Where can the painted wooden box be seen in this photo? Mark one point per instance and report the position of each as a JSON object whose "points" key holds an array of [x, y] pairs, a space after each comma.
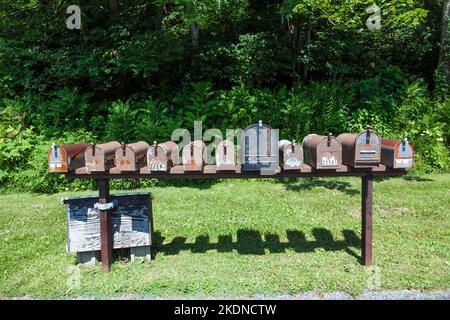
{"points": [[131, 222]]}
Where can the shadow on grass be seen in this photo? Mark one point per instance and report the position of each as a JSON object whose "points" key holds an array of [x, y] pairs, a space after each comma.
{"points": [[251, 242], [341, 186], [406, 178]]}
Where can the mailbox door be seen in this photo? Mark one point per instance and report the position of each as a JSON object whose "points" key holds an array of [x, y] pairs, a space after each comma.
{"points": [[225, 156], [367, 149], [292, 157], [260, 148], [194, 156], [95, 159], [126, 159], [404, 155], [57, 160], [157, 158], [329, 156]]}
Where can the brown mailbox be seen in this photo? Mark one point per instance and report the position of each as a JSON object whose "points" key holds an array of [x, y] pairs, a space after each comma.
{"points": [[131, 157], [322, 152], [291, 155], [160, 157], [361, 150], [100, 157], [62, 159], [225, 156], [397, 154], [194, 156]]}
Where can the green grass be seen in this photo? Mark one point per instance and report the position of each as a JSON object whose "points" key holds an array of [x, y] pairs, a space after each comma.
{"points": [[242, 238]]}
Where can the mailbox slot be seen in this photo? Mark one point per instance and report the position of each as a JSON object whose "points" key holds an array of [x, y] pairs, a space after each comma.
{"points": [[100, 157], [259, 148], [361, 150], [161, 157], [322, 152], [397, 154], [131, 157], [291, 155], [194, 156], [225, 156], [67, 158]]}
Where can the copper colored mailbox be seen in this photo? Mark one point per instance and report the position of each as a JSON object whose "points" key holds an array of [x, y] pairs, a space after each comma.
{"points": [[100, 157], [322, 152], [194, 156], [260, 148], [225, 156], [160, 157], [397, 154], [62, 159], [291, 155], [131, 157], [361, 150]]}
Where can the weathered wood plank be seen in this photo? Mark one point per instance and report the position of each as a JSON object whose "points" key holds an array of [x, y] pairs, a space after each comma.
{"points": [[131, 223]]}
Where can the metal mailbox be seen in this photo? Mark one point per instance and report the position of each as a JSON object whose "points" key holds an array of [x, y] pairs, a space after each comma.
{"points": [[397, 154], [100, 157], [131, 157], [361, 150], [291, 155], [194, 156], [322, 152], [260, 148], [62, 159], [160, 157], [225, 156]]}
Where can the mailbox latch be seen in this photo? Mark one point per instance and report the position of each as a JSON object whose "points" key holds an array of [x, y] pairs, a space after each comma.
{"points": [[106, 206]]}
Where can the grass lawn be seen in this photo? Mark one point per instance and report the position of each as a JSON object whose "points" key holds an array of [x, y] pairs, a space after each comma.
{"points": [[242, 238]]}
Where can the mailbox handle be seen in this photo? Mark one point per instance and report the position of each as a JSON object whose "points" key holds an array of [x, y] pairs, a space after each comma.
{"points": [[155, 144], [368, 151]]}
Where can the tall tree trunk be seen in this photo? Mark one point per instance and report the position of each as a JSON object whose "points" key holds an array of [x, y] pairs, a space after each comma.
{"points": [[444, 53], [194, 28], [114, 5]]}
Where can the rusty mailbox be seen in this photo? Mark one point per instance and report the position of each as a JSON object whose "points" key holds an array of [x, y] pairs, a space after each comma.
{"points": [[260, 148], [361, 150], [194, 156], [131, 157], [397, 154], [225, 156], [62, 159], [291, 155], [100, 157], [160, 157], [322, 152]]}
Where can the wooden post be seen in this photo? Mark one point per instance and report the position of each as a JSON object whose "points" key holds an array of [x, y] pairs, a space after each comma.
{"points": [[105, 224], [366, 209]]}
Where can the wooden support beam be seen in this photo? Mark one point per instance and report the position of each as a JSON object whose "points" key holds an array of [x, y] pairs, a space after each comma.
{"points": [[105, 225], [366, 210]]}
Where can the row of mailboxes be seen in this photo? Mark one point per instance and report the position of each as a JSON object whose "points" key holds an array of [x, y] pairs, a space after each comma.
{"points": [[259, 150]]}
